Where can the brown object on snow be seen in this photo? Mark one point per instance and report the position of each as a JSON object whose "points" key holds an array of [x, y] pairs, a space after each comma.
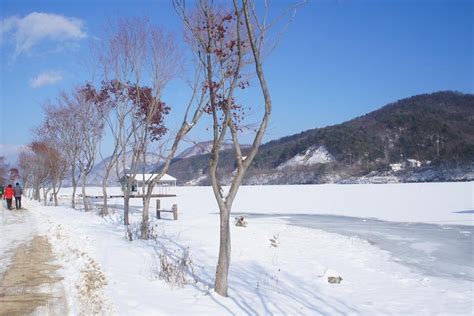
{"points": [[240, 221], [334, 280]]}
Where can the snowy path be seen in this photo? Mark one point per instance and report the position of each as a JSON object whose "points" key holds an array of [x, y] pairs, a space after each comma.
{"points": [[29, 283], [38, 277]]}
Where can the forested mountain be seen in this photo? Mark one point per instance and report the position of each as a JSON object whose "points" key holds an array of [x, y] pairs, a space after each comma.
{"points": [[431, 133]]}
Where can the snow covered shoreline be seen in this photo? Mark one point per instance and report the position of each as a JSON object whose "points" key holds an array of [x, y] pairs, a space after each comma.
{"points": [[288, 279], [438, 203]]}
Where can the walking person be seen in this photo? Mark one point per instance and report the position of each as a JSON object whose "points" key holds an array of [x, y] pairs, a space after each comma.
{"points": [[8, 195], [18, 191], [2, 188]]}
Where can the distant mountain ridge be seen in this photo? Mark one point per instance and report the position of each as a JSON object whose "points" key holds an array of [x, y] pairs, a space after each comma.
{"points": [[200, 148], [98, 171], [152, 161], [420, 138]]}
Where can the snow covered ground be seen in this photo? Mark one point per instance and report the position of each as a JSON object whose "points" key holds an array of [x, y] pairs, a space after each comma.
{"points": [[386, 267]]}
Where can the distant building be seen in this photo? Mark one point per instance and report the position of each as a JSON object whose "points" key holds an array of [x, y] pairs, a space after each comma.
{"points": [[414, 163], [396, 166], [141, 180], [411, 163]]}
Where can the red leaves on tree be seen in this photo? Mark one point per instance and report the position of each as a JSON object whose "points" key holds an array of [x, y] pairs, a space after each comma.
{"points": [[147, 108]]}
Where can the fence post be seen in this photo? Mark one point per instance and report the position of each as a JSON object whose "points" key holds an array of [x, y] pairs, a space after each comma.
{"points": [[175, 211], [158, 204]]}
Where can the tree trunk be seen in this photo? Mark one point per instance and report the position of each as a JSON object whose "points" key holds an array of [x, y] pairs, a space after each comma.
{"points": [[84, 198], [223, 262], [126, 206], [146, 209], [37, 194], [55, 194], [105, 209], [45, 196], [74, 187], [145, 219], [56, 188]]}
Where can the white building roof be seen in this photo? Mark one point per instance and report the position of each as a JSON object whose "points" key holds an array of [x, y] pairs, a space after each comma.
{"points": [[149, 176]]}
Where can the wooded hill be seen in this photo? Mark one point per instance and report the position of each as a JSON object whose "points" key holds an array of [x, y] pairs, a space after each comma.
{"points": [[435, 129]]}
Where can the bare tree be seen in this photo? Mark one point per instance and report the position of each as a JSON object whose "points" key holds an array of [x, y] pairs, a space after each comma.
{"points": [[229, 42], [35, 169], [56, 159], [71, 129], [135, 49], [115, 108], [26, 163], [121, 58], [89, 119], [165, 64], [61, 126], [58, 168]]}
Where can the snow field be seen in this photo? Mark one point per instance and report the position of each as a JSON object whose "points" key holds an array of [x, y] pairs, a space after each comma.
{"points": [[263, 279]]}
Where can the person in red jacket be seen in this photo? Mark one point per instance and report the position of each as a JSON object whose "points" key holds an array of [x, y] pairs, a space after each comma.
{"points": [[8, 195]]}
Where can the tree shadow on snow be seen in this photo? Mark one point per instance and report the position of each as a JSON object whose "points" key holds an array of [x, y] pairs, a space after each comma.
{"points": [[254, 289]]}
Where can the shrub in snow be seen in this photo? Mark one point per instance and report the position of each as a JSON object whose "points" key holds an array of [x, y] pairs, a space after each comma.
{"points": [[333, 280], [240, 221], [133, 232], [177, 271], [332, 276], [274, 241], [89, 287]]}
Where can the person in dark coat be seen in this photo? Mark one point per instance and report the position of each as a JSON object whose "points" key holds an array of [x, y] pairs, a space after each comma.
{"points": [[8, 195], [18, 191]]}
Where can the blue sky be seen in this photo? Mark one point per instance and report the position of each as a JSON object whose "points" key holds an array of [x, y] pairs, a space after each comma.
{"points": [[337, 59]]}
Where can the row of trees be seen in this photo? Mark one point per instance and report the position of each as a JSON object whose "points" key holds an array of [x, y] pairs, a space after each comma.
{"points": [[135, 62]]}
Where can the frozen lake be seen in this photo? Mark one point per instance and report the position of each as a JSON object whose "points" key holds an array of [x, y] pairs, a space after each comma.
{"points": [[433, 250], [425, 226]]}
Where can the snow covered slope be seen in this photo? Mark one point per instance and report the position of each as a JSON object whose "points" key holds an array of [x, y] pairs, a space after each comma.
{"points": [[311, 156]]}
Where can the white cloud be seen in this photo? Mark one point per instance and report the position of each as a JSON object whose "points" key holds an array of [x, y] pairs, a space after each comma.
{"points": [[46, 78], [37, 27]]}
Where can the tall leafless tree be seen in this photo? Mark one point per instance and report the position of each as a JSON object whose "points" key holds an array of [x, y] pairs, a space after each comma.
{"points": [[165, 62], [230, 42], [90, 119], [135, 49], [121, 57], [35, 169], [56, 161], [61, 125]]}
